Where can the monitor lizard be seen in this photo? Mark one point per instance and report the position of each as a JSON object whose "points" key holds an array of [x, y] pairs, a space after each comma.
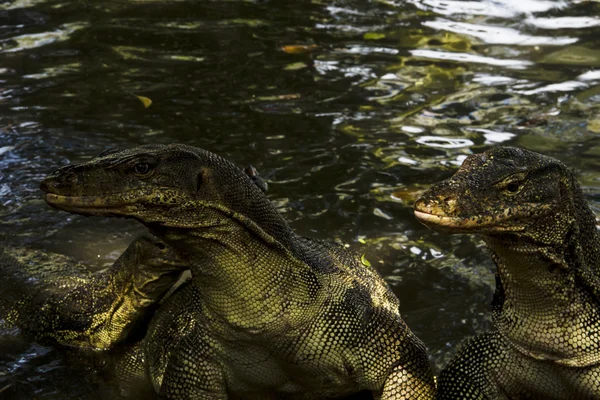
{"points": [[542, 236], [272, 314]]}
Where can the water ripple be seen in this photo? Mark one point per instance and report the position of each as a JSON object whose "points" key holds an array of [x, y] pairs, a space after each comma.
{"points": [[567, 86], [473, 58], [444, 142], [496, 8], [12, 5], [498, 35], [564, 22], [33, 40]]}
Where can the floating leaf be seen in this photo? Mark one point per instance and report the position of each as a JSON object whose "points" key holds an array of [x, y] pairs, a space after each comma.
{"points": [[363, 259], [299, 48], [145, 101], [295, 66], [373, 36]]}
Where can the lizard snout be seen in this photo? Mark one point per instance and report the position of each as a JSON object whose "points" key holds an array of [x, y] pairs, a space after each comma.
{"points": [[440, 205], [60, 181]]}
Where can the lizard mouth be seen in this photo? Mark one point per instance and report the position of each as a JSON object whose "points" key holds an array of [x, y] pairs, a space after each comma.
{"points": [[74, 201], [89, 205], [145, 207], [458, 224], [439, 220], [447, 223]]}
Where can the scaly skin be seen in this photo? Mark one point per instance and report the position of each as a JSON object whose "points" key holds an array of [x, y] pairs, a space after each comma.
{"points": [[56, 300], [270, 314], [543, 239]]}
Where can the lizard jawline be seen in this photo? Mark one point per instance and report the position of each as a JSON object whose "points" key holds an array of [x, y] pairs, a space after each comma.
{"points": [[488, 224], [88, 205]]}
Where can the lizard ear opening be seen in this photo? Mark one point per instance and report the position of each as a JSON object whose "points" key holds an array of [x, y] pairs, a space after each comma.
{"points": [[199, 180]]}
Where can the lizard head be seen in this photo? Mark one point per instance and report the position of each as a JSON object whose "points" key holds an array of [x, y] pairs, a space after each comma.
{"points": [[502, 190], [168, 186], [155, 266]]}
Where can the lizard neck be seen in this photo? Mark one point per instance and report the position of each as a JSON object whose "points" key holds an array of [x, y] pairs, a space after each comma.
{"points": [[249, 282], [543, 303]]}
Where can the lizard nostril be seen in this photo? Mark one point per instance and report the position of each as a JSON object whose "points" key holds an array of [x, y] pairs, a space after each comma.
{"points": [[425, 205], [55, 183], [50, 184], [450, 203]]}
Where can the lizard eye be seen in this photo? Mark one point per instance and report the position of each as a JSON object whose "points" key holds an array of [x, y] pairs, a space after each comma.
{"points": [[512, 187], [142, 168], [513, 184]]}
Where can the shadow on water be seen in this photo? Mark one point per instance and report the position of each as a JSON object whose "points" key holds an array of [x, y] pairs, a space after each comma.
{"points": [[348, 108]]}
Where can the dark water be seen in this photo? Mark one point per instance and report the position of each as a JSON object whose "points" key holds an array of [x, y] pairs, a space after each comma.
{"points": [[349, 108]]}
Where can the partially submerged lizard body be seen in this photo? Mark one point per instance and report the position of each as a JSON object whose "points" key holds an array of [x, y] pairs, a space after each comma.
{"points": [[543, 239], [268, 314], [54, 299]]}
